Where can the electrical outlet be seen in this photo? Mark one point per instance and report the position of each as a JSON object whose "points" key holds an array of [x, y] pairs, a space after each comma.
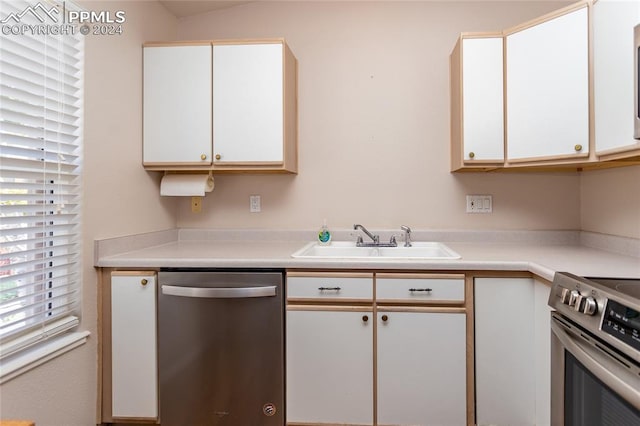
{"points": [[479, 203], [254, 204]]}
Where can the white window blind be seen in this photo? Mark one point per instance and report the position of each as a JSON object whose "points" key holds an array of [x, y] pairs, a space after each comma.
{"points": [[41, 105]]}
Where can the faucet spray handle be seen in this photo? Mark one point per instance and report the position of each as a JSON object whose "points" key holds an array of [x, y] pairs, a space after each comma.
{"points": [[407, 235]]}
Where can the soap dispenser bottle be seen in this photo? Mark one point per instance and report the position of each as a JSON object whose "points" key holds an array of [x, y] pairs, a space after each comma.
{"points": [[324, 235]]}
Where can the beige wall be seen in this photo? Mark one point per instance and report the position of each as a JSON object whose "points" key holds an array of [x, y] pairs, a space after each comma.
{"points": [[610, 201], [119, 198], [374, 122]]}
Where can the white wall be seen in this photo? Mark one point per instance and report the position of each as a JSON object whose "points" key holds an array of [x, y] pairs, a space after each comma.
{"points": [[374, 122], [120, 198]]}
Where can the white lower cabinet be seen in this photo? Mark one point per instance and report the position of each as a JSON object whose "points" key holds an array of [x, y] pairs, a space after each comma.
{"points": [[413, 348], [542, 351], [511, 352], [421, 368], [134, 385], [330, 367]]}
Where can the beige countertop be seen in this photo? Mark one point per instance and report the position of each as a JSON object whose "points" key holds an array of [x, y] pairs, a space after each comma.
{"points": [[540, 252]]}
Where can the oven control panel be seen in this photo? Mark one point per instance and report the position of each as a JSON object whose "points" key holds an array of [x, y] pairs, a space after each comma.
{"points": [[580, 302], [622, 322]]}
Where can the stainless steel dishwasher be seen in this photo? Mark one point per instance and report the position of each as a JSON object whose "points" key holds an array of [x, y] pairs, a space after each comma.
{"points": [[221, 347]]}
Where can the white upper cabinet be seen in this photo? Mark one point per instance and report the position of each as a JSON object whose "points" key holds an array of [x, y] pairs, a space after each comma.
{"points": [[220, 106], [483, 110], [248, 103], [547, 81], [613, 51], [177, 105], [478, 105]]}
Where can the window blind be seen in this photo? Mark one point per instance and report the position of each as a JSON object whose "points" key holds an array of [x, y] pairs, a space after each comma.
{"points": [[41, 105]]}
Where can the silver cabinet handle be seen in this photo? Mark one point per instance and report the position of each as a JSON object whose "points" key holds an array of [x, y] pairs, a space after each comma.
{"points": [[219, 292], [329, 288]]}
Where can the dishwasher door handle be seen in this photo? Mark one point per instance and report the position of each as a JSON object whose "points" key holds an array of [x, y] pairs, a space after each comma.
{"points": [[219, 292]]}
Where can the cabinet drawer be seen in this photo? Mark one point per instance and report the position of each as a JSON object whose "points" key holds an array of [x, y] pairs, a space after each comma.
{"points": [[342, 287], [420, 289]]}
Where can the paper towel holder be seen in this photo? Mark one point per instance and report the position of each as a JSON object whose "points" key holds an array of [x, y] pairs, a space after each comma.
{"points": [[178, 184], [187, 185]]}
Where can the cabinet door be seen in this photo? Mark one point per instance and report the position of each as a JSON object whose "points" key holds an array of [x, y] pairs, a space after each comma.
{"points": [[542, 352], [177, 105], [504, 346], [133, 346], [330, 367], [482, 99], [421, 368], [548, 89], [613, 69], [248, 103]]}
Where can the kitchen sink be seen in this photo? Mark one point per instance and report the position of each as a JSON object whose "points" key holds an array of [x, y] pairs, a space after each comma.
{"points": [[348, 250]]}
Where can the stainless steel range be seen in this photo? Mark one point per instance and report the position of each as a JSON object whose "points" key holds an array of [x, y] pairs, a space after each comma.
{"points": [[595, 351]]}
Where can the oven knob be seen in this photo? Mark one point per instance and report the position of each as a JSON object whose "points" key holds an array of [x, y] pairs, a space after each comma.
{"points": [[590, 306], [579, 302], [564, 296], [573, 296]]}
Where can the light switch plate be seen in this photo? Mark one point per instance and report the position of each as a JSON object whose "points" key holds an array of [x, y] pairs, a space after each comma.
{"points": [[479, 203]]}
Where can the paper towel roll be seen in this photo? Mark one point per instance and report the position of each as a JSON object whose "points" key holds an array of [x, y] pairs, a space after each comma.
{"points": [[183, 185]]}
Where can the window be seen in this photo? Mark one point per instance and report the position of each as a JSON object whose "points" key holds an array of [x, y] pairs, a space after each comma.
{"points": [[41, 95]]}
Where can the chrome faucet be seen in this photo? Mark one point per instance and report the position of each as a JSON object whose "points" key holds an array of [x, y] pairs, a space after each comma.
{"points": [[375, 239], [407, 235]]}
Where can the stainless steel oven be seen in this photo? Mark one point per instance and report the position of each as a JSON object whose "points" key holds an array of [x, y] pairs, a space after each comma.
{"points": [[595, 351]]}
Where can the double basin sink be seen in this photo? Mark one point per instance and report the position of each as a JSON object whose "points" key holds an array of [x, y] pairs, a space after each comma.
{"points": [[349, 250]]}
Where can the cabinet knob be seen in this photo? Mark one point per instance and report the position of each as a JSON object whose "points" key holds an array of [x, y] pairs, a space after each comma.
{"points": [[144, 281], [218, 156], [578, 147], [472, 154], [365, 318], [385, 318], [203, 157]]}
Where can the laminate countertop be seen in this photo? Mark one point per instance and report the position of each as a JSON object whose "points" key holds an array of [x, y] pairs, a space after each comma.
{"points": [[541, 253]]}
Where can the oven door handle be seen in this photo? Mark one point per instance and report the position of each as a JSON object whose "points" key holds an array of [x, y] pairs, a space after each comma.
{"points": [[600, 365]]}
